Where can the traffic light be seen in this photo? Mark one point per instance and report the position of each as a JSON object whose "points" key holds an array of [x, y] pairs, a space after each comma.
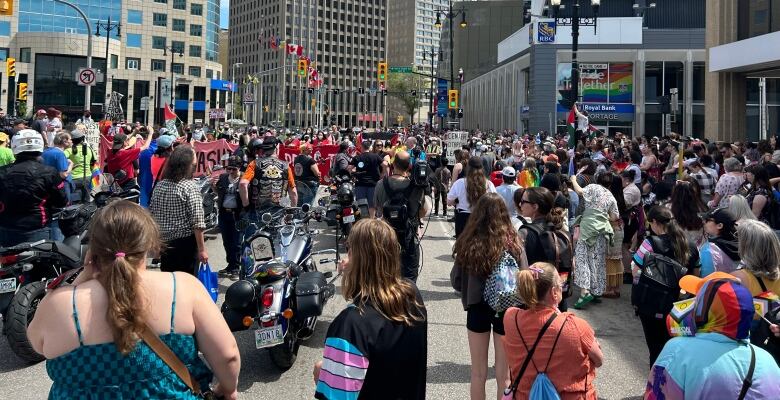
{"points": [[311, 91], [265, 108], [361, 90], [10, 66], [313, 103], [22, 93], [460, 113], [303, 67], [384, 92], [382, 72], [453, 99], [336, 92], [7, 7]]}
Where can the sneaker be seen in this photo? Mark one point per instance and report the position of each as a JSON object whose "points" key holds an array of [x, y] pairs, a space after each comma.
{"points": [[436, 214], [582, 301], [228, 273]]}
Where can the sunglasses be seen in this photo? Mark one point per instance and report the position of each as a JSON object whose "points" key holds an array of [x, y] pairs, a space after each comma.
{"points": [[526, 202], [231, 168]]}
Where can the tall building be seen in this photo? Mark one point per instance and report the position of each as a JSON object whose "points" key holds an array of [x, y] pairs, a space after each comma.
{"points": [[344, 40], [743, 70], [49, 42]]}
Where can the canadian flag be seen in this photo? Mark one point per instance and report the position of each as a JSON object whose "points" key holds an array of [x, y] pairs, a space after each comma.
{"points": [[295, 49]]}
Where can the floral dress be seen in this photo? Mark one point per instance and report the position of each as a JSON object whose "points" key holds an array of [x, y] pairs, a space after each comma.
{"points": [[590, 271]]}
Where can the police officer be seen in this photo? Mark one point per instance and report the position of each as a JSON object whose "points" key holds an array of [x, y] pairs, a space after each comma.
{"points": [[29, 191], [267, 179]]}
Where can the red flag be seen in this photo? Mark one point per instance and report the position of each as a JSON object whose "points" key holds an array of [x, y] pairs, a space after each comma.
{"points": [[169, 114]]}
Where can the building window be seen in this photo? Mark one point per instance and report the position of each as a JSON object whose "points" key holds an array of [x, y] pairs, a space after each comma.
{"points": [[161, 1], [3, 53], [159, 19], [158, 42], [177, 68], [196, 30], [209, 73], [25, 55], [195, 51], [5, 28], [135, 17], [114, 61], [196, 9], [194, 71], [133, 40], [179, 25], [158, 65], [180, 4], [177, 46], [132, 63]]}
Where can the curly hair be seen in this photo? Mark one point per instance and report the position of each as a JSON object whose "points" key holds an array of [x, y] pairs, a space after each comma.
{"points": [[487, 235], [687, 204]]}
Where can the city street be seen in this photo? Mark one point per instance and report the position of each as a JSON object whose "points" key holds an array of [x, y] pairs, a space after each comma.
{"points": [[622, 376]]}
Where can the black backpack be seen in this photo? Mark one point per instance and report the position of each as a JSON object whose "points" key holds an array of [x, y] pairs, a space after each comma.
{"points": [[558, 251], [761, 335], [399, 211], [659, 284]]}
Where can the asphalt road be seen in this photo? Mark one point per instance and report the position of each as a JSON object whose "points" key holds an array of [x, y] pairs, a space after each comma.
{"points": [[619, 332]]}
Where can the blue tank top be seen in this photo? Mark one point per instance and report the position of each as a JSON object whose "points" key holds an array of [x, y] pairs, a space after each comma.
{"points": [[100, 371]]}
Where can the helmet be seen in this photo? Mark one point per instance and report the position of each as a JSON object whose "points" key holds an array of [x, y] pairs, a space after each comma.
{"points": [[27, 140], [268, 142], [346, 194], [240, 294], [235, 161], [254, 145]]}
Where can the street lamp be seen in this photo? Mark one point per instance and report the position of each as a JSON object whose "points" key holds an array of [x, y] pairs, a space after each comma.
{"points": [[233, 89], [108, 27], [173, 52], [87, 88], [575, 21], [450, 14]]}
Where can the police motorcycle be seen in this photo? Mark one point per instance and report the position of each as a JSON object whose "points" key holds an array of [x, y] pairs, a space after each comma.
{"points": [[280, 289], [342, 208], [25, 270]]}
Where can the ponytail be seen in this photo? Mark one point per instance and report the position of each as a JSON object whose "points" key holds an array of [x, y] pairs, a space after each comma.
{"points": [[533, 283], [125, 312], [679, 241]]}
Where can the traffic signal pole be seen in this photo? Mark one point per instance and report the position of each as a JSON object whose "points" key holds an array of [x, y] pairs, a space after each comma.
{"points": [[575, 65]]}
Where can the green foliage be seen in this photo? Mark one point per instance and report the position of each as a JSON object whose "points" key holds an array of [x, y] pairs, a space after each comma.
{"points": [[400, 86]]}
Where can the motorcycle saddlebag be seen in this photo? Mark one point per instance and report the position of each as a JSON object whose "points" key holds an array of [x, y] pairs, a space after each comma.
{"points": [[74, 219], [309, 294]]}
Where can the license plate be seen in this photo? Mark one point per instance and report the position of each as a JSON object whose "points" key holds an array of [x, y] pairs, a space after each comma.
{"points": [[349, 218], [7, 285], [268, 337]]}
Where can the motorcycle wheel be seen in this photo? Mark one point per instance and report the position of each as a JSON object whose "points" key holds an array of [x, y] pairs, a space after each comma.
{"points": [[345, 228], [284, 355], [20, 313]]}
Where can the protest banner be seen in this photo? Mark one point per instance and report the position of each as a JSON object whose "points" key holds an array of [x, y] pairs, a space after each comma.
{"points": [[322, 155]]}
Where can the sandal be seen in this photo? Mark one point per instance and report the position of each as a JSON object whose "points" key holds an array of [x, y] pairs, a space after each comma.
{"points": [[582, 301]]}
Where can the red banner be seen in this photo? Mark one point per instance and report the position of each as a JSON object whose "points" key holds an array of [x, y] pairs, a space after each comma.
{"points": [[323, 155], [209, 154]]}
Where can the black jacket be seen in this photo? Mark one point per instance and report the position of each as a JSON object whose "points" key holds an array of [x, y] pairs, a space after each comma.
{"points": [[29, 191], [222, 188]]}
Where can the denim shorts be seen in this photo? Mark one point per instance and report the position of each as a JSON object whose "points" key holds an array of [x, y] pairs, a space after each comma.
{"points": [[365, 192]]}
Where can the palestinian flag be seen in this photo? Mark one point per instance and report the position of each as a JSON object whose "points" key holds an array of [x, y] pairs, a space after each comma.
{"points": [[170, 120]]}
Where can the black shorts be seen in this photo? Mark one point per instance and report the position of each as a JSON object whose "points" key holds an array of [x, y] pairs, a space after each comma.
{"points": [[480, 317]]}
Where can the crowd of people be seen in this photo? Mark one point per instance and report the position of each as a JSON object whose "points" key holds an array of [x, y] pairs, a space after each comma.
{"points": [[540, 225]]}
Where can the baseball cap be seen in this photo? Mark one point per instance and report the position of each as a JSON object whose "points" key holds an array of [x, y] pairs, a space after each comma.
{"points": [[41, 111], [165, 141], [119, 141], [692, 284], [509, 172], [268, 142], [721, 216]]}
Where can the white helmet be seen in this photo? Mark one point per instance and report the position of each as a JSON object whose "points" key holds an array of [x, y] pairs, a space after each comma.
{"points": [[27, 140]]}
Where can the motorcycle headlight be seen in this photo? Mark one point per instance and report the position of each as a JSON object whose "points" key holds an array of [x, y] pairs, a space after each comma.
{"points": [[240, 294], [262, 248]]}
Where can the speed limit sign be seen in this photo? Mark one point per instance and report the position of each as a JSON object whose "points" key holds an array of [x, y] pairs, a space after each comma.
{"points": [[86, 77]]}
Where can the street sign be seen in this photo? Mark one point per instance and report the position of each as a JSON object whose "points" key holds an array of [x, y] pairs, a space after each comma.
{"points": [[165, 92], [145, 103], [86, 77], [401, 70], [249, 98], [217, 113]]}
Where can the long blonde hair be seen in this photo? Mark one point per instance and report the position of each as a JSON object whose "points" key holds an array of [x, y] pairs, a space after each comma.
{"points": [[120, 236], [374, 273]]}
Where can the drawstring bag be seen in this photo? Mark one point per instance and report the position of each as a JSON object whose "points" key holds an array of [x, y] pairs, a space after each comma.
{"points": [[209, 280], [500, 291]]}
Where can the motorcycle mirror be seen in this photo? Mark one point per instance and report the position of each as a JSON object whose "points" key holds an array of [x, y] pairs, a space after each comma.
{"points": [[266, 218], [305, 208]]}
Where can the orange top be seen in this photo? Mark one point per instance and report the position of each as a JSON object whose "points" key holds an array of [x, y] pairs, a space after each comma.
{"points": [[249, 174], [570, 369]]}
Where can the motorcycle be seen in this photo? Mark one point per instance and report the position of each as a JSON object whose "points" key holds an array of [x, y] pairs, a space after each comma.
{"points": [[26, 268], [209, 195], [280, 287], [342, 208]]}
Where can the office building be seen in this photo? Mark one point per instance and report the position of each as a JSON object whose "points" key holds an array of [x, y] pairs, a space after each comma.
{"points": [[49, 42], [344, 40], [743, 71], [633, 57]]}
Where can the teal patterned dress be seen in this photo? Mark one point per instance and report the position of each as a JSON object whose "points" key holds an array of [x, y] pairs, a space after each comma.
{"points": [[100, 371]]}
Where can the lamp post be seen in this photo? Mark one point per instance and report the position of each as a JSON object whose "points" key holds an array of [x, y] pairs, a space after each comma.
{"points": [[575, 21], [430, 103], [451, 14], [88, 88], [233, 89], [173, 51], [108, 27]]}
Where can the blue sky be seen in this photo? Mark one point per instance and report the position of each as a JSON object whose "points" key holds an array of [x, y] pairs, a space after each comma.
{"points": [[224, 9]]}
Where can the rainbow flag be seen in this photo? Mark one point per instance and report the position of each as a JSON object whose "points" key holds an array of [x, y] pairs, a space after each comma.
{"points": [[96, 174], [765, 302]]}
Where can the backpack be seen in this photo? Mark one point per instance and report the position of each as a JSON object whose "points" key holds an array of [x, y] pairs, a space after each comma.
{"points": [[761, 335], [659, 283], [399, 212], [500, 290], [558, 251]]}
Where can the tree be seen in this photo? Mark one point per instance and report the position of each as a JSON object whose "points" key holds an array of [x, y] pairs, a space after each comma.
{"points": [[401, 85]]}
